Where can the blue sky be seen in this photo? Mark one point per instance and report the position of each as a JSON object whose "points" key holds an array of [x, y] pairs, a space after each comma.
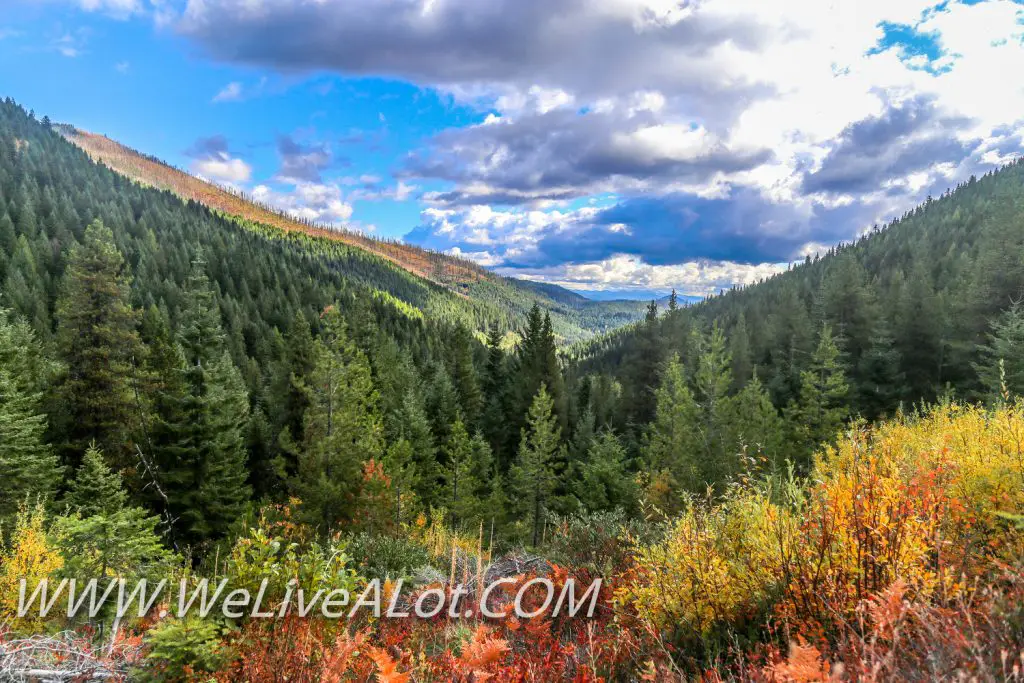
{"points": [[622, 145]]}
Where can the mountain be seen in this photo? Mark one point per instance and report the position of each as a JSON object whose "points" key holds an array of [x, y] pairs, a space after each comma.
{"points": [[507, 299], [917, 308]]}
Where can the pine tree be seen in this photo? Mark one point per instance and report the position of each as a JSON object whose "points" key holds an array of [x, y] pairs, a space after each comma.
{"points": [[822, 407], [95, 490], [1002, 359], [105, 535], [28, 466], [880, 382], [202, 421], [341, 431], [98, 337], [739, 353], [673, 438], [533, 476], [464, 375], [604, 482]]}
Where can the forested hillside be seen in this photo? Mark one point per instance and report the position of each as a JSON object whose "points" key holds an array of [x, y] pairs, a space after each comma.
{"points": [[186, 394], [490, 296], [925, 306]]}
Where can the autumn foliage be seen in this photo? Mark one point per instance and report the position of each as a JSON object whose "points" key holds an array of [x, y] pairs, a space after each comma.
{"points": [[899, 557]]}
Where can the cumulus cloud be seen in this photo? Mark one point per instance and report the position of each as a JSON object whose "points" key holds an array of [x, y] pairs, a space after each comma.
{"points": [[316, 202], [563, 154], [719, 131], [212, 159], [906, 138], [581, 47], [301, 163], [623, 273]]}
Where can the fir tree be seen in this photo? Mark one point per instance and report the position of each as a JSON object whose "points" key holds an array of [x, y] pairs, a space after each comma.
{"points": [[28, 466], [341, 431], [822, 408], [495, 396], [105, 535], [754, 429], [415, 429], [461, 483], [464, 375], [672, 438], [1001, 368], [604, 482], [880, 382], [98, 337], [204, 409], [739, 353], [533, 477], [400, 465], [711, 385], [95, 490]]}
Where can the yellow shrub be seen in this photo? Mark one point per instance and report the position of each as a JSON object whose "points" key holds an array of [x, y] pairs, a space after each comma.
{"points": [[30, 557], [914, 498], [715, 564]]}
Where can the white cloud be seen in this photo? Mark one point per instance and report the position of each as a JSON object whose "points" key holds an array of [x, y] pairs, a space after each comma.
{"points": [[116, 8], [658, 99], [621, 272], [317, 202], [232, 92], [223, 168]]}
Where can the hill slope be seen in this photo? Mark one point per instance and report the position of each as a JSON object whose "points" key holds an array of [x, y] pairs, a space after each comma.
{"points": [[912, 304], [575, 317]]}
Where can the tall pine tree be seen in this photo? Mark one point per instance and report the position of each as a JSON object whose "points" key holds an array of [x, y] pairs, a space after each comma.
{"points": [[97, 333]]}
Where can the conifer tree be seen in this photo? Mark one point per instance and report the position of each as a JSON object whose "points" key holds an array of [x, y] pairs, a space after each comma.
{"points": [[201, 432], [711, 382], [95, 490], [288, 394], [415, 429], [460, 482], [643, 367], [495, 397], [532, 478], [98, 337], [1001, 367], [464, 374], [753, 428], [739, 353], [400, 466], [342, 429], [605, 484], [672, 439], [822, 408], [919, 334], [537, 365], [880, 382], [28, 466], [105, 535]]}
